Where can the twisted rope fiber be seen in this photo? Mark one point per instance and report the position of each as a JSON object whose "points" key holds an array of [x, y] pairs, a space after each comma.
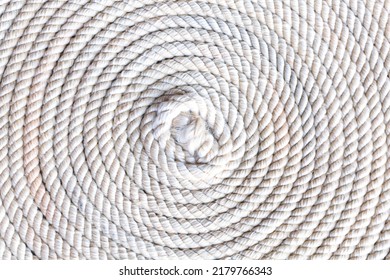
{"points": [[207, 129]]}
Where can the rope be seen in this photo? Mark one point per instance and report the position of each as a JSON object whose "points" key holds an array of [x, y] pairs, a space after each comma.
{"points": [[200, 129]]}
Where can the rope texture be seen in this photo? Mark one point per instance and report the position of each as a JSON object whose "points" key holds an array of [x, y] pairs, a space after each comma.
{"points": [[207, 129]]}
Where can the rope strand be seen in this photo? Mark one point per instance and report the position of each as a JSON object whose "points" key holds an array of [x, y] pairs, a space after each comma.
{"points": [[201, 129]]}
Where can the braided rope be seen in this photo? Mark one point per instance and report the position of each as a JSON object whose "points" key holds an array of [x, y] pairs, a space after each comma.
{"points": [[200, 129]]}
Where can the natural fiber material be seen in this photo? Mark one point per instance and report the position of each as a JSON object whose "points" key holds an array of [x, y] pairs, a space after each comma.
{"points": [[188, 129]]}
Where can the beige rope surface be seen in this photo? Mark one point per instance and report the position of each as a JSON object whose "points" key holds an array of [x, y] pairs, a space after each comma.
{"points": [[204, 129]]}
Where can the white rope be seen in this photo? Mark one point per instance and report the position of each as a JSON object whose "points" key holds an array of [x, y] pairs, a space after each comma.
{"points": [[205, 129]]}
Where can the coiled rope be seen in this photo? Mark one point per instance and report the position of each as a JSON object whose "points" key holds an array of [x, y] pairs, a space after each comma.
{"points": [[194, 129]]}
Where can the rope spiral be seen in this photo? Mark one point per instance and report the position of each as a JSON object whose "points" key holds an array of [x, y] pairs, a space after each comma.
{"points": [[194, 129]]}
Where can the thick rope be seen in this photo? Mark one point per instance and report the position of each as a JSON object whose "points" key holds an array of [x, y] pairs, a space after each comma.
{"points": [[207, 129]]}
